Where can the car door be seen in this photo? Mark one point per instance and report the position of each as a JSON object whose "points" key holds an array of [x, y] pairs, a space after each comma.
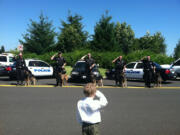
{"points": [[33, 67], [129, 70], [46, 69], [40, 68], [138, 71]]}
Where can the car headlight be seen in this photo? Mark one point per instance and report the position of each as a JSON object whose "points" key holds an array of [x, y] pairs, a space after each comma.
{"points": [[75, 73]]}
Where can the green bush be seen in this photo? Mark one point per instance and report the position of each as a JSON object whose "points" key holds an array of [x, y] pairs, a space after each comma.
{"points": [[104, 59]]}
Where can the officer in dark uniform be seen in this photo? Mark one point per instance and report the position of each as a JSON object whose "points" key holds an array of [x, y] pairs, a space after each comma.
{"points": [[119, 69], [90, 63], [149, 69], [20, 68], [59, 68]]}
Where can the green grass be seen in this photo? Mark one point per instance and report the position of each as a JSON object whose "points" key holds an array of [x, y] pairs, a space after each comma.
{"points": [[69, 69], [102, 72]]}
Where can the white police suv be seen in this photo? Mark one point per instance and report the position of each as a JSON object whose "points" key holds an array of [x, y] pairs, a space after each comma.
{"points": [[39, 67]]}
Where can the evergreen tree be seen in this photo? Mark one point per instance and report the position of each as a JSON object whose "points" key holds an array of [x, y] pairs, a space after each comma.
{"points": [[72, 35], [2, 49], [40, 36], [155, 43], [104, 34], [177, 50], [124, 37]]}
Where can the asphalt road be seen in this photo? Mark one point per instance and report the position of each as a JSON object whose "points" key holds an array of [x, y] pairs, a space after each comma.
{"points": [[52, 111], [52, 81]]}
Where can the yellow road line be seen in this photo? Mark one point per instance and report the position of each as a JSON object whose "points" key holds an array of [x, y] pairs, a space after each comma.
{"points": [[51, 86]]}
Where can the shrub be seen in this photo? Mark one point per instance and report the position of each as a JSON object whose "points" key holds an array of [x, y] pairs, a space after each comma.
{"points": [[104, 59]]}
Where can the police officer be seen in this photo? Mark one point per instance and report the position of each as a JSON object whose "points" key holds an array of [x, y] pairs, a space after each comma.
{"points": [[20, 68], [90, 63], [149, 69], [119, 69], [60, 67]]}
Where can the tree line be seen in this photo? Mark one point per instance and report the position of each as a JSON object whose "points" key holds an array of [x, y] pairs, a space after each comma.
{"points": [[108, 35]]}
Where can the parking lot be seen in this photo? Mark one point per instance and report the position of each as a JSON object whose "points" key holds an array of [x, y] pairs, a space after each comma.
{"points": [[45, 109], [52, 111]]}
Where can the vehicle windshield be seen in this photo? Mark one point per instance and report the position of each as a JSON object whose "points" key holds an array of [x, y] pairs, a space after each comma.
{"points": [[80, 66]]}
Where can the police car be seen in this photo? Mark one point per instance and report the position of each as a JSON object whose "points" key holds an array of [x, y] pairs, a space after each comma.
{"points": [[134, 70], [38, 68], [80, 73], [6, 59]]}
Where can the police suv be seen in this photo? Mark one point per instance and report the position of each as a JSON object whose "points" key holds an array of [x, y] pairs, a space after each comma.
{"points": [[38, 68], [134, 70], [6, 59], [79, 71]]}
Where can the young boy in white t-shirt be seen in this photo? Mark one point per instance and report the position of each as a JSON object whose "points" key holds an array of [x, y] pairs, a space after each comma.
{"points": [[88, 109]]}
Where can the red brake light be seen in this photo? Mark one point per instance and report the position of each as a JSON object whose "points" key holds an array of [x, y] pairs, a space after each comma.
{"points": [[8, 68], [167, 71]]}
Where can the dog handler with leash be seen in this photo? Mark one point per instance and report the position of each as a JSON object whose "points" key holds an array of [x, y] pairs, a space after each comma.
{"points": [[119, 69], [60, 67], [90, 65], [20, 67], [149, 69]]}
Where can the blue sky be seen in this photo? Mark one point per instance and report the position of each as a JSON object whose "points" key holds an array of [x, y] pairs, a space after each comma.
{"points": [[143, 15]]}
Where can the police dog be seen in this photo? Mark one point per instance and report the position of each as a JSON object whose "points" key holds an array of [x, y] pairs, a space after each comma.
{"points": [[29, 78], [64, 78], [157, 79], [98, 81], [123, 80]]}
